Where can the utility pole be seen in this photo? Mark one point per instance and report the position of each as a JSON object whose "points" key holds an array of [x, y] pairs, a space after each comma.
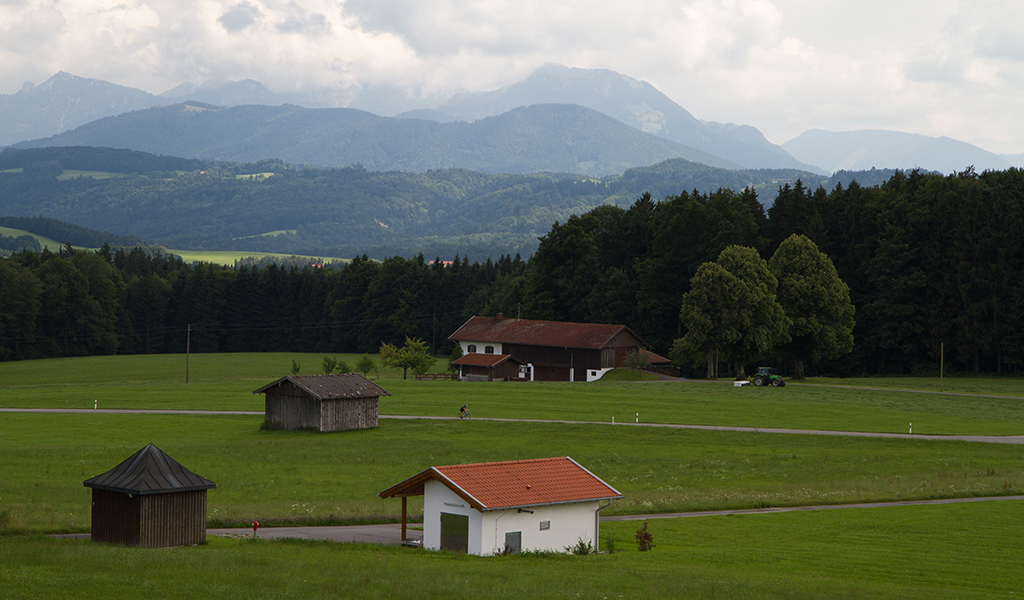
{"points": [[188, 347]]}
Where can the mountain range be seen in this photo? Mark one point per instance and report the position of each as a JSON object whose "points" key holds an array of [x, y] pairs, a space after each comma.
{"points": [[497, 131], [545, 137]]}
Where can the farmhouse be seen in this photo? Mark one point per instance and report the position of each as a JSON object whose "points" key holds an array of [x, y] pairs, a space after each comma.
{"points": [[522, 505], [149, 500], [322, 402], [544, 350]]}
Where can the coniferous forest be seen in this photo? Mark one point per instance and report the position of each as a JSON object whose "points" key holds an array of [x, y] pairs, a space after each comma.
{"points": [[929, 261]]}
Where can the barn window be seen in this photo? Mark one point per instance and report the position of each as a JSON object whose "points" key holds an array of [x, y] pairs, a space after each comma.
{"points": [[471, 348], [488, 349]]}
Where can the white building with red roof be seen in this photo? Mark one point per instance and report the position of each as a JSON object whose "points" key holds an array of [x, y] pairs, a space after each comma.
{"points": [[546, 504]]}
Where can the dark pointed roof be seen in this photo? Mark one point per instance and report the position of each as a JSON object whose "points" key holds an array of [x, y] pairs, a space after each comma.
{"points": [[332, 387], [149, 471]]}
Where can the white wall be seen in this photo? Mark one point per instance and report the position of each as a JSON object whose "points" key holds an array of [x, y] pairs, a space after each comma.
{"points": [[568, 523], [480, 347], [595, 374], [437, 498]]}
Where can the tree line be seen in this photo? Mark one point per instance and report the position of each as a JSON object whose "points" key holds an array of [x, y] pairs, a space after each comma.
{"points": [[931, 263]]}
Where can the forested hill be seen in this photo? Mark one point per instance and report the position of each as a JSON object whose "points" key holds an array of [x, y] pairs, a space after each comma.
{"points": [[933, 266], [550, 137], [271, 206]]}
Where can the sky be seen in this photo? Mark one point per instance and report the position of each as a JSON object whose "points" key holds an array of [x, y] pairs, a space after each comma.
{"points": [[932, 67]]}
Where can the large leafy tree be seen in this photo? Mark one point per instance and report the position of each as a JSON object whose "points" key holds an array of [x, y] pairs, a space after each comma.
{"points": [[415, 355], [732, 308], [815, 299]]}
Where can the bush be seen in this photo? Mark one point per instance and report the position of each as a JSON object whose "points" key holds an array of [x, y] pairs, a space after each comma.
{"points": [[644, 539], [581, 548]]}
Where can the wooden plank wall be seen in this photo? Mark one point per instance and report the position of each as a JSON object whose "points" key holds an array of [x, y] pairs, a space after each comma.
{"points": [[351, 413], [153, 520]]}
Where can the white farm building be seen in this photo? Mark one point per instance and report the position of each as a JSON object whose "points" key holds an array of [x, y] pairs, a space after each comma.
{"points": [[546, 504]]}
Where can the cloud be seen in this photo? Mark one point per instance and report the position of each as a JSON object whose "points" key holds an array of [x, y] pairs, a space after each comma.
{"points": [[240, 16]]}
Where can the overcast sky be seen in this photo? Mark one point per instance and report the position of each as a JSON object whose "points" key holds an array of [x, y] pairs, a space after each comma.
{"points": [[934, 67]]}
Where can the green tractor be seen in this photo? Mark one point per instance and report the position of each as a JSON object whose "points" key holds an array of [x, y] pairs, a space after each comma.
{"points": [[766, 376]]}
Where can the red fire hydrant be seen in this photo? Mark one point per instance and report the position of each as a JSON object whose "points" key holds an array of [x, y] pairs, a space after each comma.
{"points": [[255, 526]]}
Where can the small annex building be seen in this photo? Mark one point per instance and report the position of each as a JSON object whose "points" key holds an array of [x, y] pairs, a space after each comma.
{"points": [[546, 504], [490, 367], [322, 402], [149, 500], [545, 350]]}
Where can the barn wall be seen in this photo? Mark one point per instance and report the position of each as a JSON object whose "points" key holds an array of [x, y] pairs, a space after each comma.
{"points": [[173, 519], [349, 413], [115, 517], [152, 520], [290, 408]]}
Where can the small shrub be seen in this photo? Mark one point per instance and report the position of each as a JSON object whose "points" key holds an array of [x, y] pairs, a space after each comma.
{"points": [[343, 367], [581, 548], [295, 367], [610, 544], [644, 539], [365, 364], [329, 364], [507, 550]]}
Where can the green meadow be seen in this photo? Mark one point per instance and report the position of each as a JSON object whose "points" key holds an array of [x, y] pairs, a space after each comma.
{"points": [[284, 477]]}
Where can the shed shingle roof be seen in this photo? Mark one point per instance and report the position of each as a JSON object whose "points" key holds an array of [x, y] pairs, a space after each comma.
{"points": [[513, 484], [539, 333], [331, 387], [149, 471]]}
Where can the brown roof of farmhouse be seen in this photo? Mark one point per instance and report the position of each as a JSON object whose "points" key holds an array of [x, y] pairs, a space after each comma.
{"points": [[149, 471], [539, 333], [331, 387]]}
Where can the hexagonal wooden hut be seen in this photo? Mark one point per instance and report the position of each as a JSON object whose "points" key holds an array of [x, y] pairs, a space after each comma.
{"points": [[322, 402], [149, 500]]}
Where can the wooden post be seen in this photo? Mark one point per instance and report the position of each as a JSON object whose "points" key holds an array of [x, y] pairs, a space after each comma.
{"points": [[404, 498]]}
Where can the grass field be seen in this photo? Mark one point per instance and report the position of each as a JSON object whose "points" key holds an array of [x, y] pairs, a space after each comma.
{"points": [[957, 551], [963, 551]]}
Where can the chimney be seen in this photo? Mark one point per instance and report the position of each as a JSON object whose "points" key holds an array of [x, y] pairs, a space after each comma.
{"points": [[498, 317]]}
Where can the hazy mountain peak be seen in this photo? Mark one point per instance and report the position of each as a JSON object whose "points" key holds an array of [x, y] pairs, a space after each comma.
{"points": [[866, 148]]}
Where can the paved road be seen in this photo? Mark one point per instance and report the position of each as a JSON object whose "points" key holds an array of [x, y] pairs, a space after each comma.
{"points": [[990, 439]]}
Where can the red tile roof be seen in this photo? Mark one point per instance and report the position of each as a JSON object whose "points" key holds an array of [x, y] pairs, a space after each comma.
{"points": [[483, 360], [539, 333], [513, 484]]}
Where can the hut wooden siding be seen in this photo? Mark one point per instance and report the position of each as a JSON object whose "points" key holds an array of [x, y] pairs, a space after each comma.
{"points": [[322, 402], [153, 521], [149, 500]]}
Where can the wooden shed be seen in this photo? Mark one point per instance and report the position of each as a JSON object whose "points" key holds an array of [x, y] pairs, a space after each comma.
{"points": [[149, 500], [322, 402]]}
